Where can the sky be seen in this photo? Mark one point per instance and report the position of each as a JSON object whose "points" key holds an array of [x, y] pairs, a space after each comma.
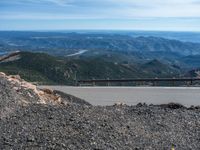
{"points": [[161, 15]]}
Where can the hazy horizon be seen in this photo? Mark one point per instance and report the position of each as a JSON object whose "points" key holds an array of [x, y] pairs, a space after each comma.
{"points": [[98, 30], [144, 15]]}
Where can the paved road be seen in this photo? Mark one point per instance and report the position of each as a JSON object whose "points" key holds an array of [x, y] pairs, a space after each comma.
{"points": [[132, 95]]}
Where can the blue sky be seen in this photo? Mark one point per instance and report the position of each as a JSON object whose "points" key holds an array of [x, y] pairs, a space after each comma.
{"points": [[168, 15]]}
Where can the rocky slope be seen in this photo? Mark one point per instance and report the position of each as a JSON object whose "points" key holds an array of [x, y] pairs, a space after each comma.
{"points": [[43, 119]]}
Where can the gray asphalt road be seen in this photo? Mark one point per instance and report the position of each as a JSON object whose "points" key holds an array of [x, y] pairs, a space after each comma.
{"points": [[132, 95]]}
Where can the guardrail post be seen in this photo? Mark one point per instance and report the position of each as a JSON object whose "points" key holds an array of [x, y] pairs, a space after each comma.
{"points": [[108, 83]]}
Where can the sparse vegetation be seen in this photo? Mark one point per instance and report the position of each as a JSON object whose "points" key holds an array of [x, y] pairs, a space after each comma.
{"points": [[45, 69]]}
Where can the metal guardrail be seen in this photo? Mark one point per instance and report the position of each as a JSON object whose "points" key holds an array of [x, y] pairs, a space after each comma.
{"points": [[153, 80]]}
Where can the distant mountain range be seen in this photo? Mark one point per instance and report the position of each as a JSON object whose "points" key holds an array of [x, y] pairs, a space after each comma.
{"points": [[64, 43], [95, 55]]}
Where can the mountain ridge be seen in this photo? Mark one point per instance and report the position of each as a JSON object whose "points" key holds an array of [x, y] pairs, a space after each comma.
{"points": [[62, 43], [41, 67]]}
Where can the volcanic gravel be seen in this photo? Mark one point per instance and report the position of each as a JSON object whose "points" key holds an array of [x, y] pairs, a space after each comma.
{"points": [[74, 124]]}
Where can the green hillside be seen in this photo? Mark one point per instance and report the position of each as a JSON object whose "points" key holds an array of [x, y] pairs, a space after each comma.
{"points": [[157, 69], [46, 69]]}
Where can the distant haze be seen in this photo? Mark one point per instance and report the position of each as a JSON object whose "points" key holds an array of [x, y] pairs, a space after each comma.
{"points": [[170, 15], [178, 35]]}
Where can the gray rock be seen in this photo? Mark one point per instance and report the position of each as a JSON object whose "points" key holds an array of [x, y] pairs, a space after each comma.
{"points": [[79, 125]]}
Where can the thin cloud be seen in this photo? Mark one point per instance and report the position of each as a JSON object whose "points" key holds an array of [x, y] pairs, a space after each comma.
{"points": [[108, 8], [143, 11]]}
